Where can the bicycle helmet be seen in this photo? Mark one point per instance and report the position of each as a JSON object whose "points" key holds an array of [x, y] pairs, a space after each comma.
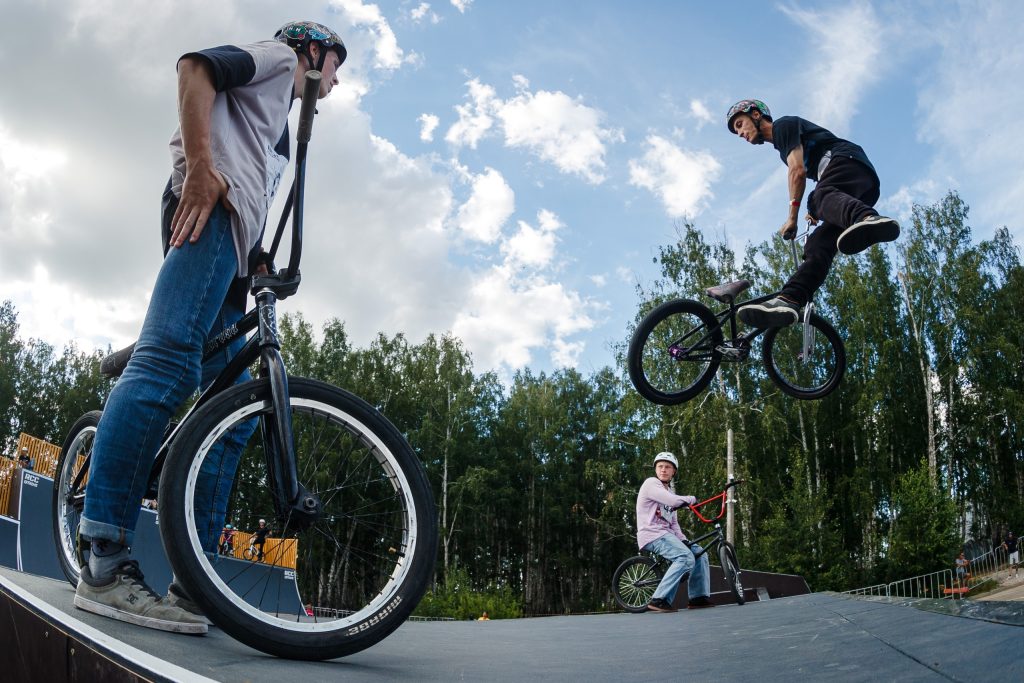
{"points": [[228, 526], [666, 457], [263, 521], [299, 34], [745, 107]]}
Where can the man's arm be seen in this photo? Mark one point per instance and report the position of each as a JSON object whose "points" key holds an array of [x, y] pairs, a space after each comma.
{"points": [[203, 185], [797, 181]]}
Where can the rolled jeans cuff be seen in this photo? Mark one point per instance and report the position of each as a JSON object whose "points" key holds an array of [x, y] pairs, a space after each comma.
{"points": [[98, 531]]}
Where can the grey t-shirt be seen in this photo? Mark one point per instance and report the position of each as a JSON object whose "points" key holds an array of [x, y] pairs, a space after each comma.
{"points": [[248, 132]]}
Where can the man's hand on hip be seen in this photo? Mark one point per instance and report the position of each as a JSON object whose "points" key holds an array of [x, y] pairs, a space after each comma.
{"points": [[203, 187]]}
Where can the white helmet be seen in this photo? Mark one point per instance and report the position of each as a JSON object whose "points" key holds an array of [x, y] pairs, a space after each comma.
{"points": [[667, 457], [263, 521]]}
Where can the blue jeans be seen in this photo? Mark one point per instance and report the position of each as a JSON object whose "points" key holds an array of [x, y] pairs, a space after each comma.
{"points": [[187, 308], [681, 557]]}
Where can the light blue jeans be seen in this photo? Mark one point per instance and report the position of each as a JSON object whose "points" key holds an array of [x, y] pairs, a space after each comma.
{"points": [[188, 307], [681, 557]]}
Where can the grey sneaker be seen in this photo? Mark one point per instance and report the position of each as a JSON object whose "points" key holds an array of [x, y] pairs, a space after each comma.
{"points": [[177, 597], [866, 233], [127, 597], [777, 312]]}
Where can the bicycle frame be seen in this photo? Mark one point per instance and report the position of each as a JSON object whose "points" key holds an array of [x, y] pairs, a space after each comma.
{"points": [[739, 342]]}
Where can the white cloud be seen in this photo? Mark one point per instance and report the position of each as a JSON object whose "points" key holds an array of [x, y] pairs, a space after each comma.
{"points": [[699, 111], [507, 317], [461, 5], [843, 63], [533, 247], [964, 100], [475, 117], [490, 205], [680, 179], [552, 125], [560, 130], [428, 124], [422, 11], [387, 54]]}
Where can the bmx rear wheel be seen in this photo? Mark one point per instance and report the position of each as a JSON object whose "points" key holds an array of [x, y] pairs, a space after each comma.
{"points": [[365, 560], [672, 355], [635, 581]]}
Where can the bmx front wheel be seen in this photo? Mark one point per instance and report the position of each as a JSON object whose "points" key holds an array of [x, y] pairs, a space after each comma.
{"points": [[69, 482], [731, 569], [634, 582], [673, 353], [363, 560], [805, 363]]}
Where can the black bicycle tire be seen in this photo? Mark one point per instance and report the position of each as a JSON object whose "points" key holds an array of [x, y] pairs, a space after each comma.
{"points": [[833, 381], [638, 342], [731, 569], [282, 640], [66, 541], [652, 566]]}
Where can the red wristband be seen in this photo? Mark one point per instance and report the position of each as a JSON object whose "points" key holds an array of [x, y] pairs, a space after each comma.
{"points": [[795, 202]]}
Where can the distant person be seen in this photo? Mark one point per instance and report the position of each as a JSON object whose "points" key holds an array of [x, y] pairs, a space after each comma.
{"points": [[843, 200], [657, 531], [309, 609], [484, 617], [962, 565], [1013, 552], [24, 459], [259, 537], [227, 540]]}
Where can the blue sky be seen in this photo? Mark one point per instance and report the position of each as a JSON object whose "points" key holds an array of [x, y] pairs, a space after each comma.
{"points": [[501, 170]]}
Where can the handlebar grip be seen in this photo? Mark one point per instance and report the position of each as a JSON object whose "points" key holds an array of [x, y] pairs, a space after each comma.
{"points": [[310, 92]]}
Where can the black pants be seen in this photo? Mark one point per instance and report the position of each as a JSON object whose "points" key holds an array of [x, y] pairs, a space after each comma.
{"points": [[844, 195]]}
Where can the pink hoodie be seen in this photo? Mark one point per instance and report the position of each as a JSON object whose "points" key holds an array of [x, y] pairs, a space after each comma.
{"points": [[654, 514]]}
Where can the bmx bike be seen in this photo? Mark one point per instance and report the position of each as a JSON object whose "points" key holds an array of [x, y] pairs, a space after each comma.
{"points": [[635, 580], [344, 485], [678, 347]]}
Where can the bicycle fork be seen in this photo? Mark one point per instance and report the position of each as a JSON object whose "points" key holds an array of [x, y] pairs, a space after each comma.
{"points": [[297, 508], [808, 331]]}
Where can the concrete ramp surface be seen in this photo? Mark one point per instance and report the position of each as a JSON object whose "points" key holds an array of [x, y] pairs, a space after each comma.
{"points": [[812, 637]]}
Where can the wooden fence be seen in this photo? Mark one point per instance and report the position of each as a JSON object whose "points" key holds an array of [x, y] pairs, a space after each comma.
{"points": [[280, 552]]}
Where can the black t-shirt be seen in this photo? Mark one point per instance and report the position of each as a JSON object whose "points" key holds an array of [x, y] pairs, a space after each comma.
{"points": [[1011, 545], [790, 131], [260, 534]]}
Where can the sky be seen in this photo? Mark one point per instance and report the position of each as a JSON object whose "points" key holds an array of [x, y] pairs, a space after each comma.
{"points": [[501, 171]]}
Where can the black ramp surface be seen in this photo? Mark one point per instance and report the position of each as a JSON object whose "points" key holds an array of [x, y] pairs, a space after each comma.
{"points": [[813, 637], [8, 542]]}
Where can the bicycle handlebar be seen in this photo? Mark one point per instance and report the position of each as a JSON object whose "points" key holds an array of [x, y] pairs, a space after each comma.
{"points": [[310, 92], [693, 508]]}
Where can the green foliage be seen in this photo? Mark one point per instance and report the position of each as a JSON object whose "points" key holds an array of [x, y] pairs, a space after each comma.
{"points": [[923, 537], [457, 598]]}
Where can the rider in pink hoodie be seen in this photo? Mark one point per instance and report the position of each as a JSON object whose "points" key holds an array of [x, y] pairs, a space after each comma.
{"points": [[657, 531]]}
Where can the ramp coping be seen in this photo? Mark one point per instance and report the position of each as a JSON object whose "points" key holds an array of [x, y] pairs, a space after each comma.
{"points": [[118, 648]]}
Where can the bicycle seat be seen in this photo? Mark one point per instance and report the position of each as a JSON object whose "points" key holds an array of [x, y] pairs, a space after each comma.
{"points": [[114, 364], [727, 293]]}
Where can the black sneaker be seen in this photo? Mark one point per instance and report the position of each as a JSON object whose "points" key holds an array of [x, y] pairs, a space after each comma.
{"points": [[660, 605], [777, 312], [126, 597], [867, 232], [700, 603]]}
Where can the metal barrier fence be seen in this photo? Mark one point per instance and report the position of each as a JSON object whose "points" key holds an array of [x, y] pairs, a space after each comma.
{"points": [[938, 584], [942, 584]]}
